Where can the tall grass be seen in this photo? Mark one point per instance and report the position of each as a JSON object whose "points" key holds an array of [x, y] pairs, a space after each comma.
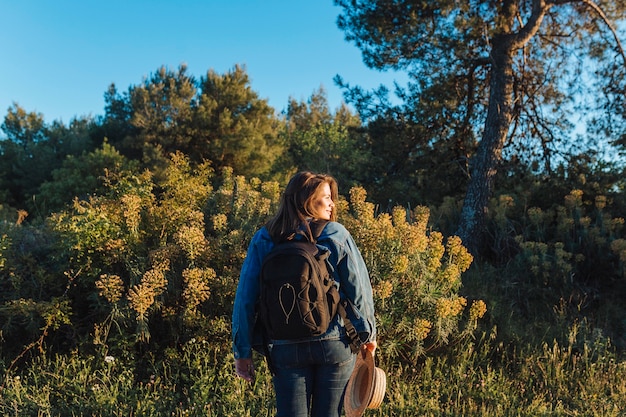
{"points": [[197, 381], [481, 377]]}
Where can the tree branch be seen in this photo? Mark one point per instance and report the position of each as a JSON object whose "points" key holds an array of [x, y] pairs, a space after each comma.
{"points": [[540, 8], [608, 23], [596, 8]]}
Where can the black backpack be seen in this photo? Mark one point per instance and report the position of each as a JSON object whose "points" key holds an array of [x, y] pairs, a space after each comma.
{"points": [[298, 296]]}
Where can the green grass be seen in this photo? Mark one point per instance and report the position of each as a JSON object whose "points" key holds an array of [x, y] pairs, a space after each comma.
{"points": [[477, 378]]}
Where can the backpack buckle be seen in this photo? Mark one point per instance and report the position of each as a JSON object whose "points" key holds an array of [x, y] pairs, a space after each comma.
{"points": [[355, 340]]}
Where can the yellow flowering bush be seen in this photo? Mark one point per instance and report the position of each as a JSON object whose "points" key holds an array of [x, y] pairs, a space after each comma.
{"points": [[197, 288], [140, 298], [477, 310], [416, 275], [144, 253], [111, 287], [176, 255], [450, 307], [556, 252], [561, 243], [131, 210], [191, 240]]}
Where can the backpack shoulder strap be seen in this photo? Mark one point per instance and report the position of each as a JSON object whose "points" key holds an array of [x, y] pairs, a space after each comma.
{"points": [[353, 335], [317, 227]]}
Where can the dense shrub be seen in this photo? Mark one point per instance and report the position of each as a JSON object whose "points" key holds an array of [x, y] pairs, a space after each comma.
{"points": [[554, 266], [416, 277]]}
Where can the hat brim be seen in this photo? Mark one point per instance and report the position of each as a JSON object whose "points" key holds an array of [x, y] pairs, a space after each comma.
{"points": [[366, 387]]}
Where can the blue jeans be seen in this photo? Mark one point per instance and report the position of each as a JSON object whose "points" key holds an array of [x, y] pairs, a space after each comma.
{"points": [[311, 376]]}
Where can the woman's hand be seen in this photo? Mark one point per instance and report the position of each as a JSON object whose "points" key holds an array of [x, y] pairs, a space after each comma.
{"points": [[371, 346], [245, 369]]}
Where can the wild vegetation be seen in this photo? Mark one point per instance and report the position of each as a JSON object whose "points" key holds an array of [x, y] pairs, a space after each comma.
{"points": [[122, 236]]}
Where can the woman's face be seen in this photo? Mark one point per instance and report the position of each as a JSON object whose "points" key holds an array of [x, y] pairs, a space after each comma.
{"points": [[323, 204]]}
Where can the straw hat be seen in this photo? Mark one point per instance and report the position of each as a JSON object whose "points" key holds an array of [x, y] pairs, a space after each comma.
{"points": [[366, 387]]}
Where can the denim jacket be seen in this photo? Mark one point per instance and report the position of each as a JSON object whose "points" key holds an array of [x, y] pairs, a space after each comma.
{"points": [[349, 272]]}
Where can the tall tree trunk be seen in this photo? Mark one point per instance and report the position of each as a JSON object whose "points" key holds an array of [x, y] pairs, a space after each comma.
{"points": [[489, 153], [484, 164]]}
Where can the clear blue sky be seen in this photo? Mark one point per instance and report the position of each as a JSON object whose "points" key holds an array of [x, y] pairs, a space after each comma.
{"points": [[59, 57]]}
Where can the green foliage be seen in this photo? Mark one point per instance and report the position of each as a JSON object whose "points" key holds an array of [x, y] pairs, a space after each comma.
{"points": [[217, 118], [32, 150], [402, 165], [484, 377], [32, 285], [196, 380], [237, 128], [320, 141], [571, 254], [84, 175], [162, 110], [554, 264]]}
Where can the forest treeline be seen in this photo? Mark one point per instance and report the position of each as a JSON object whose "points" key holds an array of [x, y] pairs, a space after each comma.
{"points": [[122, 235]]}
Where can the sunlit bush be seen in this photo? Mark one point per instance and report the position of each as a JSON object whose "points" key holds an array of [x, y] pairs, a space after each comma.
{"points": [[416, 278], [139, 252]]}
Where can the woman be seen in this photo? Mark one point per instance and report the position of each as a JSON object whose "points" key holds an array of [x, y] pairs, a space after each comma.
{"points": [[311, 374]]}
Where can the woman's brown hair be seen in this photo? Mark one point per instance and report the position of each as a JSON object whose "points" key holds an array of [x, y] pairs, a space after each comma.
{"points": [[296, 204]]}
